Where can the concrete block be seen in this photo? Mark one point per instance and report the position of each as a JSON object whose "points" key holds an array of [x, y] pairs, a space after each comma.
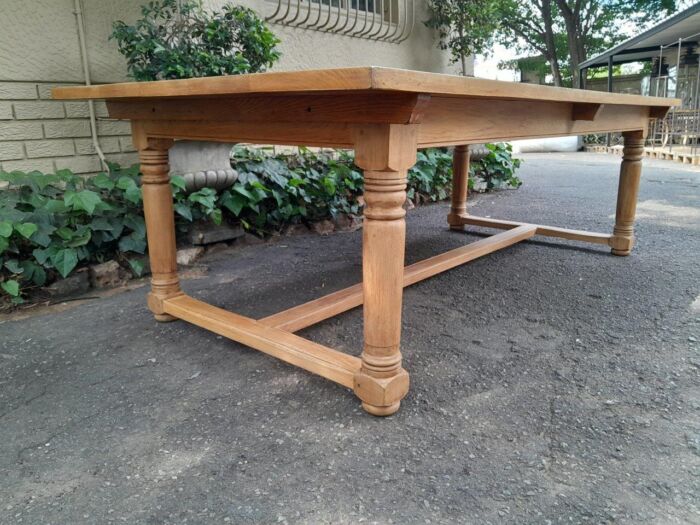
{"points": [[79, 164], [211, 233], [39, 109], [17, 91], [77, 109], [113, 127], [43, 165], [108, 145], [6, 111], [11, 151], [49, 148], [66, 128], [13, 130]]}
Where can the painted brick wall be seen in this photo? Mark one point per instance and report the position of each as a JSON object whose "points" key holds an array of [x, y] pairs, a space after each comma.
{"points": [[37, 133]]}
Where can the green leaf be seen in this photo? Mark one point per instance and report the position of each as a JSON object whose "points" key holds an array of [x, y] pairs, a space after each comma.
{"points": [[216, 216], [41, 255], [184, 211], [14, 266], [103, 181], [65, 233], [124, 183], [83, 200], [132, 243], [55, 206], [39, 276], [233, 202], [11, 287], [178, 182], [65, 260], [4, 244], [239, 188], [133, 194], [5, 229], [100, 224], [26, 229], [136, 266]]}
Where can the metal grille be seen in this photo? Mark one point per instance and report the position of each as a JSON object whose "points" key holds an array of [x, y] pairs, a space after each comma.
{"points": [[383, 20]]}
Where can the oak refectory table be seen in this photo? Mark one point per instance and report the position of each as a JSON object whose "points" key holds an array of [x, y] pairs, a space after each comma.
{"points": [[385, 115]]}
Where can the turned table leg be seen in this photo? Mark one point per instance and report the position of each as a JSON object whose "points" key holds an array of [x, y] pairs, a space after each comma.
{"points": [[460, 184], [160, 225], [384, 152], [628, 189]]}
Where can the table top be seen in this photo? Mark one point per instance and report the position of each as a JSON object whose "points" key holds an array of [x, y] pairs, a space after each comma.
{"points": [[356, 79]]}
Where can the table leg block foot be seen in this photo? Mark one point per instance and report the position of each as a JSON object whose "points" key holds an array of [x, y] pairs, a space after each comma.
{"points": [[381, 396], [164, 318], [620, 253], [621, 246], [381, 411]]}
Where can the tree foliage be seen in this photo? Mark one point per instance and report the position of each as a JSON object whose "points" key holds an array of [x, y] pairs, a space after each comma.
{"points": [[567, 32], [465, 27], [179, 39]]}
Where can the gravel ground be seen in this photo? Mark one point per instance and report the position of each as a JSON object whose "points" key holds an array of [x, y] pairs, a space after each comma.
{"points": [[551, 382]]}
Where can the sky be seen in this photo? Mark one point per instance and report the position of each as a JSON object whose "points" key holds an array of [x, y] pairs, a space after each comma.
{"points": [[487, 66]]}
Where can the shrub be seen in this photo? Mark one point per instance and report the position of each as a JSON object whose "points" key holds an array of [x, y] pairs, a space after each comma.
{"points": [[178, 39]]}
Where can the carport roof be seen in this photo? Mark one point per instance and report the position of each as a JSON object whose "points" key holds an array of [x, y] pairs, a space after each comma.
{"points": [[646, 45]]}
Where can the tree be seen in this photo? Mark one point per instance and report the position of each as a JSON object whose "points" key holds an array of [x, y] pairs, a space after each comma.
{"points": [[567, 32], [465, 27]]}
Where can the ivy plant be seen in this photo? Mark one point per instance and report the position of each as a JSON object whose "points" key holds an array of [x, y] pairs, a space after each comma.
{"points": [[51, 224]]}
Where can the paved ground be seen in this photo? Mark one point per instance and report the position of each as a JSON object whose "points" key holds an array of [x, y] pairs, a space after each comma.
{"points": [[550, 383]]}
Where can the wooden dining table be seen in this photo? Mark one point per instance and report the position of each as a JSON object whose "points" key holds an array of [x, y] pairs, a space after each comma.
{"points": [[385, 115]]}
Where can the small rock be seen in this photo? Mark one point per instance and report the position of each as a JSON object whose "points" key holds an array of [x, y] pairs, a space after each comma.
{"points": [[251, 240], [408, 205], [296, 229], [108, 275], [692, 339], [76, 284], [323, 227], [347, 223], [217, 248], [187, 256]]}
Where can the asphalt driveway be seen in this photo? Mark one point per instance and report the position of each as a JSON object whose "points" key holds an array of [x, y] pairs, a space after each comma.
{"points": [[551, 382]]}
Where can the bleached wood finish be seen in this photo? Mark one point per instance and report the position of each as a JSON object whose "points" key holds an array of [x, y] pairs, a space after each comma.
{"points": [[628, 189], [160, 224], [307, 314], [385, 114], [546, 231], [384, 153], [292, 349], [460, 186], [350, 79]]}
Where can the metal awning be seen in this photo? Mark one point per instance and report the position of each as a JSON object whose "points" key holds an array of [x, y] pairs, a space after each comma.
{"points": [[646, 45]]}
